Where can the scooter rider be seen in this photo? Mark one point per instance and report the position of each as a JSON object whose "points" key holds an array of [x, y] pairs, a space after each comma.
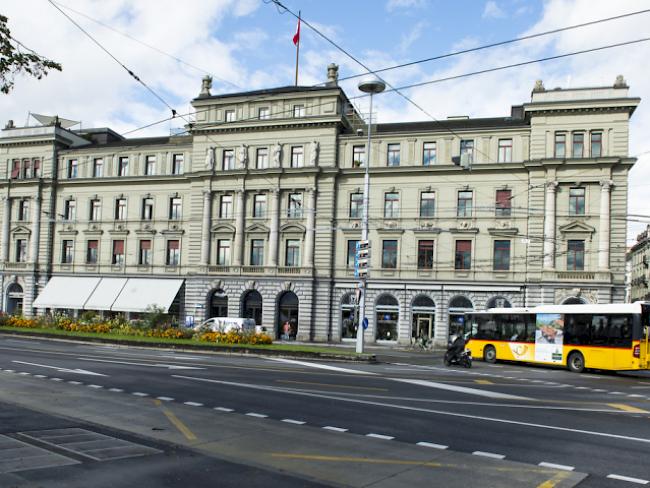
{"points": [[456, 345]]}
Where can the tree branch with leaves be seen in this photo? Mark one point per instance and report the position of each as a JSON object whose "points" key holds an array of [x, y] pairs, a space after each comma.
{"points": [[16, 58]]}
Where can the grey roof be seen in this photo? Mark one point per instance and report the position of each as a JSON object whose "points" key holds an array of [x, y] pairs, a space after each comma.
{"points": [[147, 141], [453, 124], [269, 91]]}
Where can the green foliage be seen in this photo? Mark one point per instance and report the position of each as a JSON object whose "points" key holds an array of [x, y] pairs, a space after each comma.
{"points": [[154, 317], [16, 58]]}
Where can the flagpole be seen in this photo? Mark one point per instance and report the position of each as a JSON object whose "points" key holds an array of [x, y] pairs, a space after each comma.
{"points": [[298, 48]]}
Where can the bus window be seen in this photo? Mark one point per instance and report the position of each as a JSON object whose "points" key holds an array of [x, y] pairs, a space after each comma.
{"points": [[620, 332], [513, 327], [486, 327], [530, 327], [576, 329], [600, 330]]}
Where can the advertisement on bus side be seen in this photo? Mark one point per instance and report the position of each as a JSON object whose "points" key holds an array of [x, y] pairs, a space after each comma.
{"points": [[549, 337]]}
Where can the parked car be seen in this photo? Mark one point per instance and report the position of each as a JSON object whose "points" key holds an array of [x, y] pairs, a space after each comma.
{"points": [[228, 324]]}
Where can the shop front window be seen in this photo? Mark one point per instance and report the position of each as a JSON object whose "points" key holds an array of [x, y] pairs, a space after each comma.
{"points": [[387, 318]]}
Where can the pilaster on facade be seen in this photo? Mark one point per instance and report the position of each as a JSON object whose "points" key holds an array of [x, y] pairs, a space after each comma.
{"points": [[604, 225], [550, 226]]}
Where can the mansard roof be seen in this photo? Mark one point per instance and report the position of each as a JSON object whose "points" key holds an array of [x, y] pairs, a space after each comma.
{"points": [[268, 91], [453, 124]]}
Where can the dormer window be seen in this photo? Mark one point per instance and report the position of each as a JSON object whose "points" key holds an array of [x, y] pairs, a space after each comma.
{"points": [[229, 116], [264, 113], [298, 111]]}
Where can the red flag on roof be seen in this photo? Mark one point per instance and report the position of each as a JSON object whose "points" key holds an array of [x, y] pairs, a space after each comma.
{"points": [[296, 36]]}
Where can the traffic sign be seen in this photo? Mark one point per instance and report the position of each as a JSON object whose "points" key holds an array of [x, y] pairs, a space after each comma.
{"points": [[363, 245], [364, 322]]}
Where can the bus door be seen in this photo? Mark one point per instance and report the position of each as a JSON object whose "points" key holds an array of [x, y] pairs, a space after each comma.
{"points": [[644, 345]]}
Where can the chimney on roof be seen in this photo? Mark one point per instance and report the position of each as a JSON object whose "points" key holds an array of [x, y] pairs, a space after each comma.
{"points": [[332, 74], [206, 84]]}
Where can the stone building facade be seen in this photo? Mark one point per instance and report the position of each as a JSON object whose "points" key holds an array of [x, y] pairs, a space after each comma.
{"points": [[257, 210], [638, 258]]}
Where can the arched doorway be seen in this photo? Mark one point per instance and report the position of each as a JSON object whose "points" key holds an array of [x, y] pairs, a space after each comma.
{"points": [[498, 302], [348, 317], [574, 301], [287, 314], [387, 318], [14, 299], [217, 304], [424, 311], [458, 306], [251, 306]]}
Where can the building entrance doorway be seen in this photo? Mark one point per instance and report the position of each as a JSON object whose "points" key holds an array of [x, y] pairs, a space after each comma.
{"points": [[458, 306], [14, 299], [424, 312], [252, 306], [218, 304], [287, 326]]}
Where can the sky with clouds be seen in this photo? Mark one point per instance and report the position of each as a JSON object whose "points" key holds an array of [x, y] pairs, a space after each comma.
{"points": [[246, 44]]}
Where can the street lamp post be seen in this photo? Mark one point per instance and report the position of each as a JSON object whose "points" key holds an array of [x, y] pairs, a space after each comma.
{"points": [[369, 85]]}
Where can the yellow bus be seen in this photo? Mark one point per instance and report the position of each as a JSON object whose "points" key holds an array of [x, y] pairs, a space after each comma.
{"points": [[601, 336]]}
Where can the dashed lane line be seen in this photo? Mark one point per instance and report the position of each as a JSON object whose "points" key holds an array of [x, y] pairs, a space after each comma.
{"points": [[224, 409], [97, 387], [165, 399], [72, 382], [381, 436], [322, 366], [193, 404], [619, 477], [492, 455], [295, 422], [256, 415], [140, 394], [116, 390], [335, 429], [562, 467], [432, 445]]}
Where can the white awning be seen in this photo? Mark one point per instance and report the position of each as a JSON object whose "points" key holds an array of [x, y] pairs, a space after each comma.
{"points": [[140, 293], [105, 294], [66, 292]]}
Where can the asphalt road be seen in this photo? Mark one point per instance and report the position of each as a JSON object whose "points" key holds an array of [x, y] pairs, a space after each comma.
{"points": [[590, 423]]}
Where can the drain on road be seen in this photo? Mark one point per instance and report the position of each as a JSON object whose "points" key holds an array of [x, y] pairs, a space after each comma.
{"points": [[88, 444], [16, 456]]}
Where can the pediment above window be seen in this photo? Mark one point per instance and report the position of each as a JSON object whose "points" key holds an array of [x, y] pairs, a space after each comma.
{"points": [[21, 229], [293, 227], [577, 227], [223, 229], [258, 228]]}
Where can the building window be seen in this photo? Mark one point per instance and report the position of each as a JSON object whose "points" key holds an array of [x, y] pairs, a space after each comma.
{"points": [[175, 208], [37, 168], [123, 166], [177, 164], [596, 144], [294, 210], [467, 150], [98, 167], [425, 254], [463, 259], [356, 205], [427, 204], [292, 257], [257, 252], [70, 210], [225, 209], [67, 251], [577, 201], [147, 208], [173, 253], [393, 155], [391, 205], [264, 113], [21, 250], [578, 147], [118, 252], [120, 209], [149, 165], [95, 210], [501, 255], [505, 151], [144, 254], [259, 206], [23, 210], [429, 154], [73, 168], [358, 156], [575, 258], [560, 145], [228, 159], [262, 160], [229, 116], [352, 253], [298, 111], [297, 157], [91, 251], [15, 169], [223, 252], [503, 203], [465, 198], [389, 254]]}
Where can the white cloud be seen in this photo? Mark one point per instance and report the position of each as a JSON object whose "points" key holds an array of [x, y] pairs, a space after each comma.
{"points": [[493, 11], [410, 37], [392, 5]]}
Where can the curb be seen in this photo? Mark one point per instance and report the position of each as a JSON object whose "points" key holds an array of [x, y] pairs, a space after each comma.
{"points": [[230, 350]]}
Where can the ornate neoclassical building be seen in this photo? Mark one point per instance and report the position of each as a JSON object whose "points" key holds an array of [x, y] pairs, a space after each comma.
{"points": [[256, 211]]}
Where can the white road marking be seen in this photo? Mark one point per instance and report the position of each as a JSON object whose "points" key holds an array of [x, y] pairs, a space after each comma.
{"points": [[224, 409], [165, 399], [635, 396], [24, 373], [489, 454], [291, 421], [193, 404], [582, 387], [95, 386], [432, 445], [616, 393], [381, 436], [75, 382], [116, 390], [257, 415], [321, 366], [460, 389], [129, 363], [140, 394], [619, 477], [418, 409], [335, 429], [599, 390], [556, 466], [40, 376], [9, 371], [56, 379], [61, 370]]}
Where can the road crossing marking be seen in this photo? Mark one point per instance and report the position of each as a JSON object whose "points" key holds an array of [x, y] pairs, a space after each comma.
{"points": [[562, 467]]}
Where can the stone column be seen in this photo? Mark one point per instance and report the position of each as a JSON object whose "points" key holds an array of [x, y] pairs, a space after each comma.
{"points": [[205, 229], [308, 256], [603, 228], [6, 215], [274, 213], [238, 245], [36, 229], [549, 226]]}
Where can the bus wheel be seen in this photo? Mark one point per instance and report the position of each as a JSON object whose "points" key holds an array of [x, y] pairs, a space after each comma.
{"points": [[490, 354], [576, 362]]}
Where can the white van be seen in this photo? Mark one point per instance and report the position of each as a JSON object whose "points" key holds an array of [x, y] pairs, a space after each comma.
{"points": [[228, 324]]}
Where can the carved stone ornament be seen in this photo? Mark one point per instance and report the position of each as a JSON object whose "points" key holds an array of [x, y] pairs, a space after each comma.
{"points": [[539, 86], [314, 152], [251, 285], [206, 84], [287, 286], [209, 158], [242, 156], [277, 155]]}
